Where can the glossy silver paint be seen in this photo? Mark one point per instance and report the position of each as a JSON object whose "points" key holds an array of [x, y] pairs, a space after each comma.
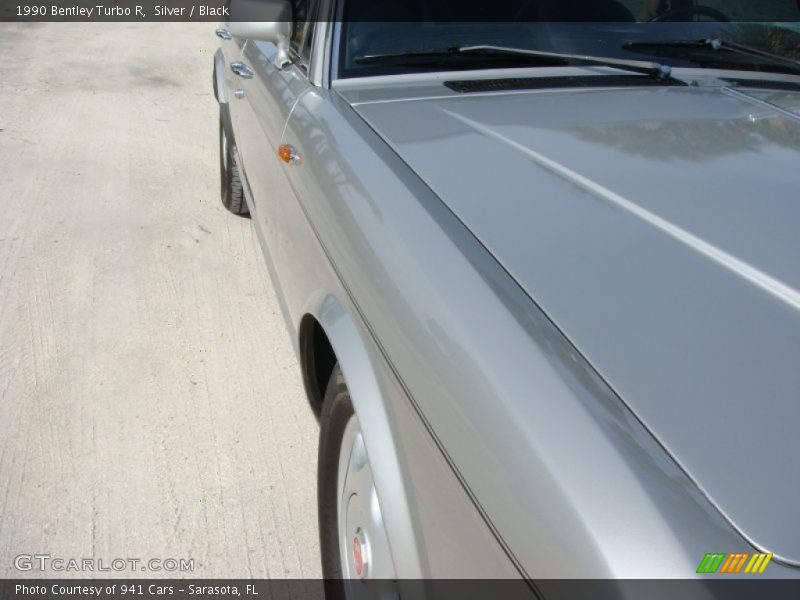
{"points": [[658, 229], [567, 318]]}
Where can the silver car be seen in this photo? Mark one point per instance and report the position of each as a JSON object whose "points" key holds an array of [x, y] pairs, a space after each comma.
{"points": [[541, 268]]}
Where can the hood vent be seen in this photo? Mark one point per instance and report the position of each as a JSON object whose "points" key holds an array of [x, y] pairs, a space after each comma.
{"points": [[538, 83]]}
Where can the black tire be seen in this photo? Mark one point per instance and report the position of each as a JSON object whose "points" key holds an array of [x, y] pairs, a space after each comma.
{"points": [[230, 176], [337, 408]]}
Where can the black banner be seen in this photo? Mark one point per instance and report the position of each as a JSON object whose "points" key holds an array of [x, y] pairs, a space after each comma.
{"points": [[518, 11], [712, 587]]}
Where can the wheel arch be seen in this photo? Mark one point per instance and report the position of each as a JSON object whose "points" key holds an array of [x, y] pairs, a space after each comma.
{"points": [[327, 334], [218, 80], [317, 359], [221, 94]]}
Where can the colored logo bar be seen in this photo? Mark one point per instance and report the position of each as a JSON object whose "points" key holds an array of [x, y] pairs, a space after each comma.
{"points": [[714, 562]]}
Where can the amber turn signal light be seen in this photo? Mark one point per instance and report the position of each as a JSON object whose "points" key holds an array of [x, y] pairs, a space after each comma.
{"points": [[288, 154]]}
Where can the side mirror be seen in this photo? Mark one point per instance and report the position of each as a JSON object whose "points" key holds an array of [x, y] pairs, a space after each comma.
{"points": [[265, 20]]}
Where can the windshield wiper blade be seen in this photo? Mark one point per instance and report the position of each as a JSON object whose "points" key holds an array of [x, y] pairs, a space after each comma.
{"points": [[658, 70], [654, 69], [422, 57], [714, 44]]}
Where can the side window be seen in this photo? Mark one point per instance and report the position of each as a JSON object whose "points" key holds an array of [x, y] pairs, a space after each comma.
{"points": [[303, 12]]}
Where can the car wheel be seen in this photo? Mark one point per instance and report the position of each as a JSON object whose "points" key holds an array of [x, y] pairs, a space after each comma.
{"points": [[232, 193], [353, 538]]}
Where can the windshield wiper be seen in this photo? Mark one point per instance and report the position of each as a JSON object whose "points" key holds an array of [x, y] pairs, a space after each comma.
{"points": [[714, 44], [644, 67], [425, 57], [500, 52]]}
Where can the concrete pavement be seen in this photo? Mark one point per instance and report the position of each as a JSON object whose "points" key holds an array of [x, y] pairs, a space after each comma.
{"points": [[150, 402]]}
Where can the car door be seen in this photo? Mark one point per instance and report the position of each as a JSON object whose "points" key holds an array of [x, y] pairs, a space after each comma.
{"points": [[269, 95], [232, 48]]}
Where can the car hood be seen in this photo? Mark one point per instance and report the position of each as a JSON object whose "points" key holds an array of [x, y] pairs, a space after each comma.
{"points": [[659, 228]]}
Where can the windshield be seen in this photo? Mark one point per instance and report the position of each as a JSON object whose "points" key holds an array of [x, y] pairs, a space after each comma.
{"points": [[377, 33]]}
